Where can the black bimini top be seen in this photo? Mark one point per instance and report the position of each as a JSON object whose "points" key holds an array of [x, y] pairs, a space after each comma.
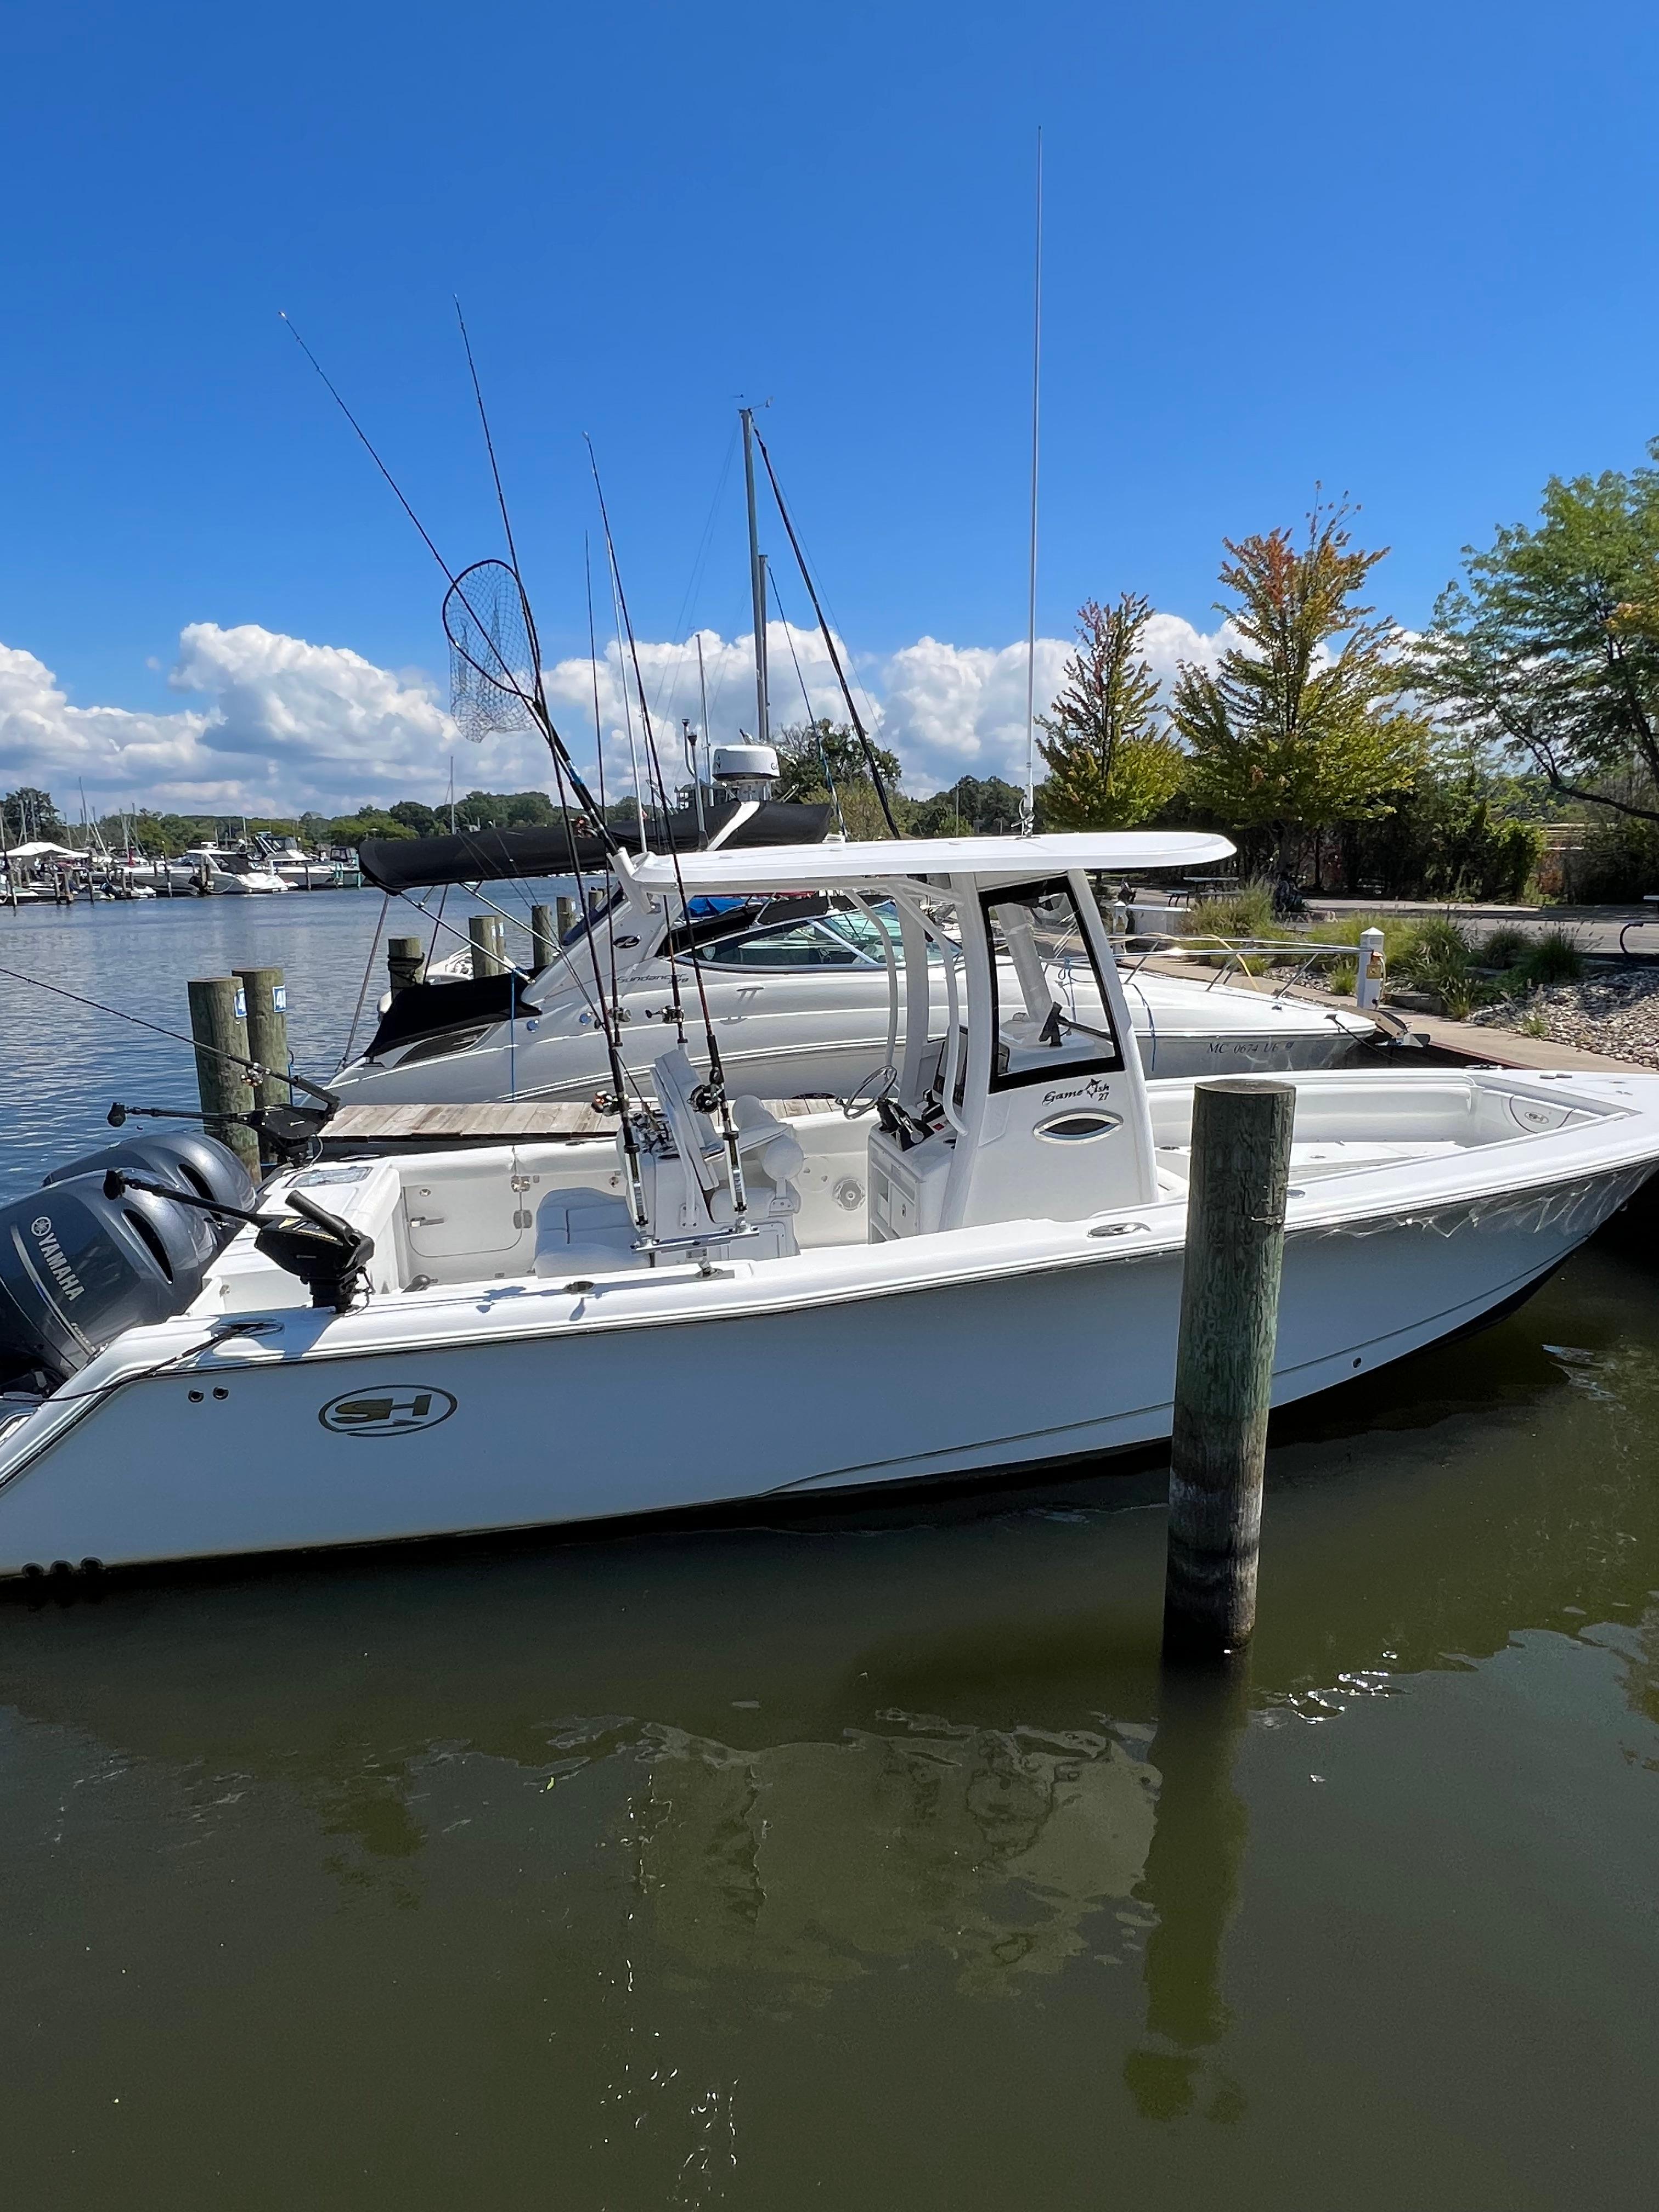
{"points": [[493, 856]]}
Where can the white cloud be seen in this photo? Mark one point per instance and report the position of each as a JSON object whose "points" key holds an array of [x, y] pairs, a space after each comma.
{"points": [[283, 724]]}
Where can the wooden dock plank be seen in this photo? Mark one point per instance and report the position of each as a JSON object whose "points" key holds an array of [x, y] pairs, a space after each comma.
{"points": [[538, 1120]]}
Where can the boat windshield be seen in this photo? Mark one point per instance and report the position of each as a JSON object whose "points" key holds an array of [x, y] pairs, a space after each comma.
{"points": [[1040, 952], [864, 930]]}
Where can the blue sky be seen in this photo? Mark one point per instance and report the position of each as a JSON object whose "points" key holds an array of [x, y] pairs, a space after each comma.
{"points": [[1408, 252]]}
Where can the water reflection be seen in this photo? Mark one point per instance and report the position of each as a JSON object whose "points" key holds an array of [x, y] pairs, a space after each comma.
{"points": [[812, 1860], [1190, 1886]]}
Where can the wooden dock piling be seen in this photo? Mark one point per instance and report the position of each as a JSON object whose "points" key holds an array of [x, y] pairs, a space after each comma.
{"points": [[544, 945], [265, 995], [1240, 1157], [405, 957], [218, 1027], [488, 935], [564, 911]]}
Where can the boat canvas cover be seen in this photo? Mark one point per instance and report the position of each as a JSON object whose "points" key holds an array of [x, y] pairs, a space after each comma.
{"points": [[491, 856], [430, 1009]]}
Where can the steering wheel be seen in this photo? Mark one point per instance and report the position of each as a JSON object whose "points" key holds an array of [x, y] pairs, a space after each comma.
{"points": [[857, 1104]]}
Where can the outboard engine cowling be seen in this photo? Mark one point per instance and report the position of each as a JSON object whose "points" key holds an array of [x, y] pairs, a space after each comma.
{"points": [[77, 1267], [197, 1163], [198, 1166]]}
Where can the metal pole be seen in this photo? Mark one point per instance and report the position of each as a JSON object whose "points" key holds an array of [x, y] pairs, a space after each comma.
{"points": [[217, 1023], [1241, 1158], [1030, 820], [703, 694], [756, 582]]}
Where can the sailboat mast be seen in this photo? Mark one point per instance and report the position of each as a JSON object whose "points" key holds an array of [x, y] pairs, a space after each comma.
{"points": [[1030, 821], [757, 581], [708, 754]]}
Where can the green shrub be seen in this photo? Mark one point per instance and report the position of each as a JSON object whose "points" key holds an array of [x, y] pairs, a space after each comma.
{"points": [[1554, 958], [1619, 860], [1504, 947], [1440, 948], [1440, 959]]}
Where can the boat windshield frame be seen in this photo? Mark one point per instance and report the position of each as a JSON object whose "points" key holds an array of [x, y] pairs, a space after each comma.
{"points": [[1004, 1075]]}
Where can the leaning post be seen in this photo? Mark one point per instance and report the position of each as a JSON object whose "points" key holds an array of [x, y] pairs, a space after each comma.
{"points": [[217, 1026], [1241, 1160], [544, 945], [489, 937]]}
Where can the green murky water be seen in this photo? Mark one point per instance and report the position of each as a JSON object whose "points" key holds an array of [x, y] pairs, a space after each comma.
{"points": [[867, 1861]]}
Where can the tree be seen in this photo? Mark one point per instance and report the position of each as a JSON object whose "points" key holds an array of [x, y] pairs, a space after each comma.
{"points": [[974, 806], [1110, 762], [31, 813], [824, 760], [420, 821], [1550, 646], [1287, 734]]}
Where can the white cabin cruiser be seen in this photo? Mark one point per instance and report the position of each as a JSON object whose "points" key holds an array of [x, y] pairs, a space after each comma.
{"points": [[229, 869], [798, 988], [985, 1274]]}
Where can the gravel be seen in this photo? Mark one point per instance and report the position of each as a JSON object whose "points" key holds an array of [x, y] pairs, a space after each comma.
{"points": [[1615, 1012]]}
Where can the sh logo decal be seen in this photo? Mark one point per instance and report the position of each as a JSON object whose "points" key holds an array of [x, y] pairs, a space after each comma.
{"points": [[390, 1413]]}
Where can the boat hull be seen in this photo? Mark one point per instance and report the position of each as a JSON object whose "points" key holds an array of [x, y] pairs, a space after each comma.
{"points": [[504, 1418]]}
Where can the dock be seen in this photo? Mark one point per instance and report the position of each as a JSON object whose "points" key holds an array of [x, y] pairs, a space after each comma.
{"points": [[356, 1130]]}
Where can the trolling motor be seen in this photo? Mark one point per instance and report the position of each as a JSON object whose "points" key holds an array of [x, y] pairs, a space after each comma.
{"points": [[330, 1257], [287, 1135]]}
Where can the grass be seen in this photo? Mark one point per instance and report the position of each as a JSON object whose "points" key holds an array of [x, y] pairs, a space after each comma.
{"points": [[1399, 934], [1247, 912]]}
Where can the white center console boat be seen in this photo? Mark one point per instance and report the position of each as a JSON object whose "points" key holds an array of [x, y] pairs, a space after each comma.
{"points": [[736, 1299]]}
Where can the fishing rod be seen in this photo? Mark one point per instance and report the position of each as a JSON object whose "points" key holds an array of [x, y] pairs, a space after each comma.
{"points": [[562, 764], [505, 680], [711, 1096], [871, 760]]}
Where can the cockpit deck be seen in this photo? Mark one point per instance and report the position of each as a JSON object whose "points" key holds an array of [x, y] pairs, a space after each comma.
{"points": [[457, 1215]]}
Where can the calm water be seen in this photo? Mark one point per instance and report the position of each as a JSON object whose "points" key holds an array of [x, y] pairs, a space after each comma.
{"points": [[865, 1860]]}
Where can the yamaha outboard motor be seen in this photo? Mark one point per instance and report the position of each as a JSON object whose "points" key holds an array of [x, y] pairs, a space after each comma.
{"points": [[77, 1267], [194, 1161]]}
